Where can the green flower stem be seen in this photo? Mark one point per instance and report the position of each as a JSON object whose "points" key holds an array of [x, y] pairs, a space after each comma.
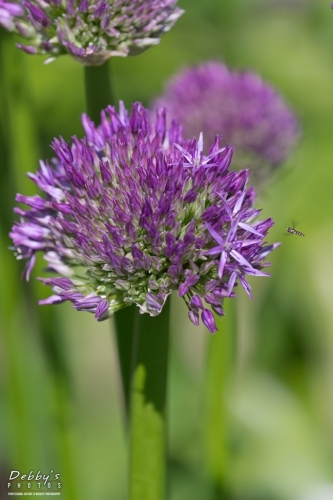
{"points": [[98, 89], [7, 186], [124, 328], [220, 362], [148, 407]]}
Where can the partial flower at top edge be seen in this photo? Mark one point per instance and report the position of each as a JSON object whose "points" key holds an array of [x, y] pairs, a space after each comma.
{"points": [[91, 31]]}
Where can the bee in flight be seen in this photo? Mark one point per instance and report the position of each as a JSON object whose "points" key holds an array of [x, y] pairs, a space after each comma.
{"points": [[292, 230]]}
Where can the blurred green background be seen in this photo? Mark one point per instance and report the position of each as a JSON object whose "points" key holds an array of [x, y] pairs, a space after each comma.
{"points": [[60, 396]]}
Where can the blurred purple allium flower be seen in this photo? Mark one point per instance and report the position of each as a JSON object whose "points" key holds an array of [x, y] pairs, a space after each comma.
{"points": [[132, 212], [247, 112], [8, 12], [90, 30]]}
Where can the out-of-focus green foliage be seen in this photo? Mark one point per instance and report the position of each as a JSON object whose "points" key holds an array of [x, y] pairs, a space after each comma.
{"points": [[281, 400]]}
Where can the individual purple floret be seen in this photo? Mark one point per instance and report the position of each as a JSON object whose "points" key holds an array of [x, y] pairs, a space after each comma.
{"points": [[132, 212], [90, 30], [247, 112]]}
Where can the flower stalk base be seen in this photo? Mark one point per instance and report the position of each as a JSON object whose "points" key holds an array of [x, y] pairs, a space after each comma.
{"points": [[219, 366], [148, 407]]}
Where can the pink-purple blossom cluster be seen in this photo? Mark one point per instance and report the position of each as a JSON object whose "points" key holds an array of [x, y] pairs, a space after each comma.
{"points": [[90, 30], [132, 212], [246, 111]]}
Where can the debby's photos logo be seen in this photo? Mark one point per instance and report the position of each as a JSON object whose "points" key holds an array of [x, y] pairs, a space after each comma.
{"points": [[34, 484]]}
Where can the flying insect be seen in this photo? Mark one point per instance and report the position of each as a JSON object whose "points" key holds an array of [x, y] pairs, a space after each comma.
{"points": [[293, 230]]}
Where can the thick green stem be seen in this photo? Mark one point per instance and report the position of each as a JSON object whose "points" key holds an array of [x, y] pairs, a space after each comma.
{"points": [[7, 186], [220, 362], [124, 329], [148, 407], [98, 89]]}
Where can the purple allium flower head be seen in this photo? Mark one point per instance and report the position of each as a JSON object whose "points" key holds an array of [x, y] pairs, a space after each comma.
{"points": [[90, 30], [247, 112], [132, 212]]}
